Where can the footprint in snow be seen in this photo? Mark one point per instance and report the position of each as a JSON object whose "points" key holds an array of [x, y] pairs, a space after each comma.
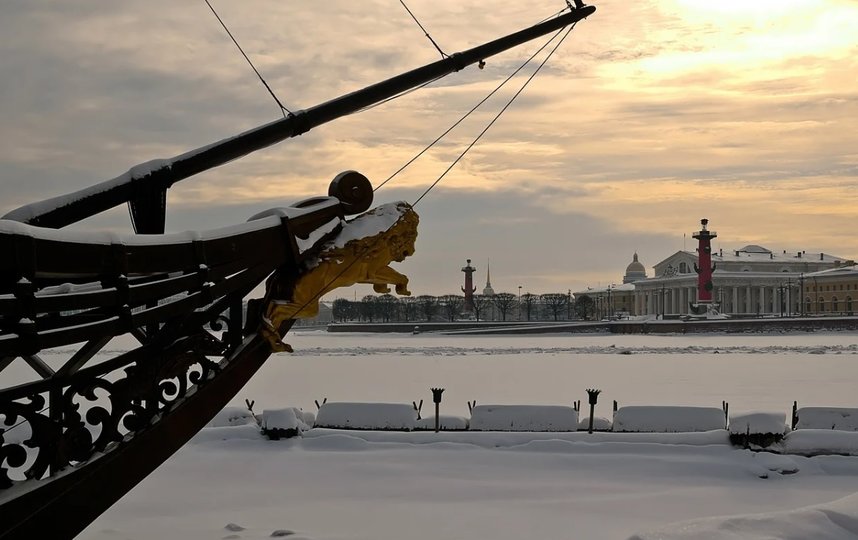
{"points": [[233, 527], [282, 532]]}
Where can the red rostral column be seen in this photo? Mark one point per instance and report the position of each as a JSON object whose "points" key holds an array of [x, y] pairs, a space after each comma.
{"points": [[704, 267], [469, 288]]}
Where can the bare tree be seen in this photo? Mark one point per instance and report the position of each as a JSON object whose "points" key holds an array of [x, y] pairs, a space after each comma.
{"points": [[504, 302], [584, 306], [344, 310], [428, 305], [408, 308], [529, 301], [556, 303], [388, 306], [452, 305], [481, 303], [368, 307]]}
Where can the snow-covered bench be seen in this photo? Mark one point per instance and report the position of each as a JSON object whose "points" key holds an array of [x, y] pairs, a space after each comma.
{"points": [[668, 419], [523, 418], [759, 429], [345, 415], [837, 418]]}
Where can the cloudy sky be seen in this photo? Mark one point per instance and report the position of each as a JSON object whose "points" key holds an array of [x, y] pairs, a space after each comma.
{"points": [[649, 117]]}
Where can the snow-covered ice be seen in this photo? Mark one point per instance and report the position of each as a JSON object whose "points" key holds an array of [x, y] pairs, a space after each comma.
{"points": [[333, 484]]}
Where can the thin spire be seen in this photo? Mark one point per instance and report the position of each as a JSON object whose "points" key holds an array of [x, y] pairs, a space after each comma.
{"points": [[488, 291]]}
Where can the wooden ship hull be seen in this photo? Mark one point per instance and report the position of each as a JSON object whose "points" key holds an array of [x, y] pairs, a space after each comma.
{"points": [[94, 429]]}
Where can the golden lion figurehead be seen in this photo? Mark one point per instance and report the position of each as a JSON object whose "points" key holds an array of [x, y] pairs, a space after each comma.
{"points": [[360, 253]]}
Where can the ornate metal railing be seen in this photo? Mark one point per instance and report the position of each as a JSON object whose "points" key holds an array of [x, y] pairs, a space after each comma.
{"points": [[179, 296]]}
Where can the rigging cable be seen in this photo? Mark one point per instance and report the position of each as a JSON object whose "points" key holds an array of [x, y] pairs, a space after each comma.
{"points": [[443, 54], [283, 108], [406, 92], [318, 295], [475, 107], [497, 116]]}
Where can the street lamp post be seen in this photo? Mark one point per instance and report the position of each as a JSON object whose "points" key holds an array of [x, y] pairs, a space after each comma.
{"points": [[569, 306], [519, 302], [788, 299], [611, 311], [801, 303]]}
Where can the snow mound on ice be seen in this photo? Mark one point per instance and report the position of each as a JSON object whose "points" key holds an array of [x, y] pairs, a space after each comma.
{"points": [[837, 520], [290, 418], [758, 422], [843, 419], [232, 416], [448, 423], [599, 423], [668, 419], [812, 442], [523, 418], [345, 415]]}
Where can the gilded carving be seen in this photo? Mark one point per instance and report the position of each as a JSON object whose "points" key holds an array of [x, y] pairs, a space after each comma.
{"points": [[343, 264]]}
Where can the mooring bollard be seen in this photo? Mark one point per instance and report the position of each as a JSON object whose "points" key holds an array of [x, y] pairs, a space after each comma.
{"points": [[436, 397], [594, 397]]}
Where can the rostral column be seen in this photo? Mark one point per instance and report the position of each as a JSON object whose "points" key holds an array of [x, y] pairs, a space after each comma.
{"points": [[469, 288], [704, 266]]}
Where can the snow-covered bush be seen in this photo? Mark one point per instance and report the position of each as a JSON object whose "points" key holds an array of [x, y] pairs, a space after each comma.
{"points": [[283, 423], [668, 419], [346, 415], [523, 418], [839, 418], [599, 423], [757, 429]]}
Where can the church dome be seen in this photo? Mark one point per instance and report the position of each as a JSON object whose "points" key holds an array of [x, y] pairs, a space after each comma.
{"points": [[634, 271]]}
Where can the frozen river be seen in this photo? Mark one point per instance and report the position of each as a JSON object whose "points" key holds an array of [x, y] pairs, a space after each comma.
{"points": [[750, 372]]}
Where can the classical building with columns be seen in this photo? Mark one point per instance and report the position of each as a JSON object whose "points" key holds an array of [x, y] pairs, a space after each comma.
{"points": [[617, 300], [751, 281]]}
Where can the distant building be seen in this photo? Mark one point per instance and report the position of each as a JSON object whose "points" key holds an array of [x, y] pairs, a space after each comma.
{"points": [[751, 281], [635, 271], [832, 292], [487, 290]]}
